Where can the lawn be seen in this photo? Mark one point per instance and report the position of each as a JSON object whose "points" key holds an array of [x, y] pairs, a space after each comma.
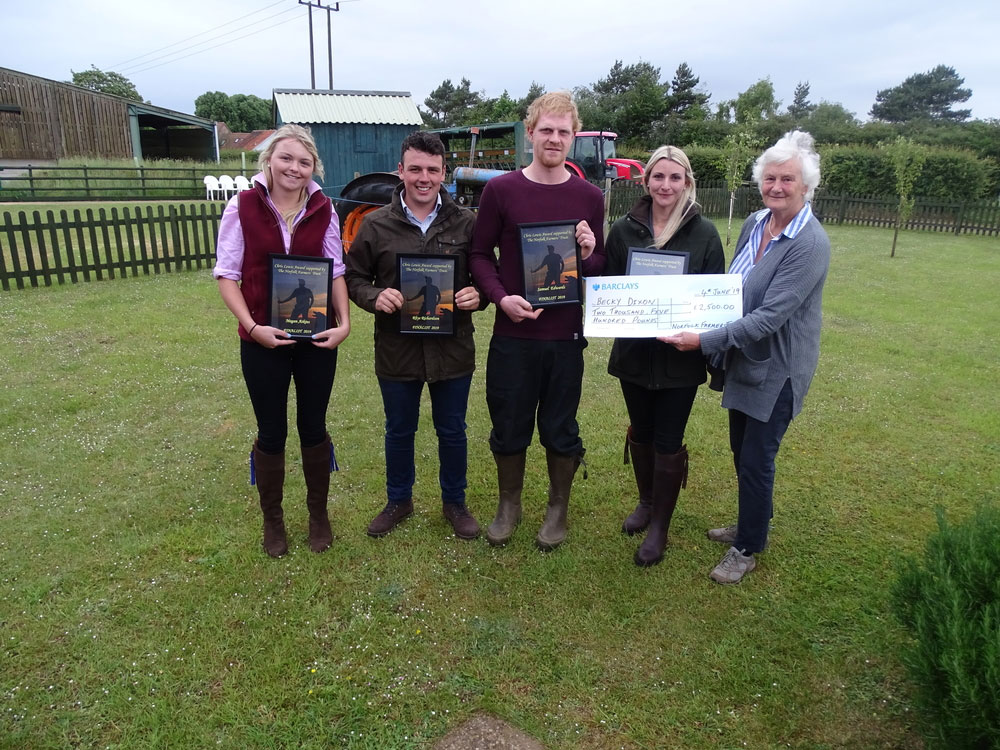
{"points": [[138, 610]]}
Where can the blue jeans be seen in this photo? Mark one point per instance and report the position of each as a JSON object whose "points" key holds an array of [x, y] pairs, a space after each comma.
{"points": [[401, 400], [755, 445]]}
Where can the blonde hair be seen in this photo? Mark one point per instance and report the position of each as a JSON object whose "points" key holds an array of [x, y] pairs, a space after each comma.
{"points": [[553, 103], [304, 137], [687, 200]]}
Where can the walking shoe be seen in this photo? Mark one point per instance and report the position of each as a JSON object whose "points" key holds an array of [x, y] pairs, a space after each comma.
{"points": [[725, 535], [465, 526], [733, 566], [389, 518]]}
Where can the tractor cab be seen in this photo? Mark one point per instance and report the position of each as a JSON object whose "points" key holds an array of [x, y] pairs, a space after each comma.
{"points": [[593, 158]]}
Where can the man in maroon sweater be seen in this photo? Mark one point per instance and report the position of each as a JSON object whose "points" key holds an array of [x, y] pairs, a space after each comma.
{"points": [[535, 362]]}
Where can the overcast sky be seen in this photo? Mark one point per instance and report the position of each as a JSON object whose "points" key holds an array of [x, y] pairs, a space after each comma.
{"points": [[847, 49]]}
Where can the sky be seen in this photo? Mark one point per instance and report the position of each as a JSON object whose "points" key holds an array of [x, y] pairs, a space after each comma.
{"points": [[174, 51]]}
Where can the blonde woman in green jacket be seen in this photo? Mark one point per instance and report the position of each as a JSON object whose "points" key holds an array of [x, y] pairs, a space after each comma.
{"points": [[658, 382]]}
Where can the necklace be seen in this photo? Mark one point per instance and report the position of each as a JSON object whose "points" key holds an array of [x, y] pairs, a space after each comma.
{"points": [[768, 228]]}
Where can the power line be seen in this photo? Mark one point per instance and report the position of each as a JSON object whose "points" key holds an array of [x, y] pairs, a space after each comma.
{"points": [[209, 49], [195, 36]]}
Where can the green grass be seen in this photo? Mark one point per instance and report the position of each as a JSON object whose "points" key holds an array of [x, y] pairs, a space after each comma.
{"points": [[139, 611]]}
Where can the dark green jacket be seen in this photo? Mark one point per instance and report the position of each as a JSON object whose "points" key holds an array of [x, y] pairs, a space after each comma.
{"points": [[647, 362], [371, 267]]}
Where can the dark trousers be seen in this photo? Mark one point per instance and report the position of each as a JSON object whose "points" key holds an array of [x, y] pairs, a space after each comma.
{"points": [[525, 377], [755, 445], [659, 416], [401, 401], [268, 374]]}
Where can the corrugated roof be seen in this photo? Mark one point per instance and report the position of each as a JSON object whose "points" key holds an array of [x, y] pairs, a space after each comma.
{"points": [[367, 107]]}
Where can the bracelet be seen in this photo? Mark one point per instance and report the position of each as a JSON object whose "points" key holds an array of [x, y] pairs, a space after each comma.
{"points": [[250, 332]]}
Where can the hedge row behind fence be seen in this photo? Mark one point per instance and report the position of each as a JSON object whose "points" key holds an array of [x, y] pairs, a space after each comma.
{"points": [[948, 174], [37, 249]]}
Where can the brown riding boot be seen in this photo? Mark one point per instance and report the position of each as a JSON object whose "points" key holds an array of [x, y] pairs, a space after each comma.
{"points": [[510, 481], [669, 475], [316, 467], [561, 471], [642, 465], [269, 473]]}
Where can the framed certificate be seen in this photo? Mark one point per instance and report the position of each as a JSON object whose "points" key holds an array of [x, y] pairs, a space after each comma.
{"points": [[550, 263], [427, 283], [648, 261], [299, 297]]}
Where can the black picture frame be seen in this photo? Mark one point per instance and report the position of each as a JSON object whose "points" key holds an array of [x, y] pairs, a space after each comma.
{"points": [[547, 283], [289, 308], [428, 285], [648, 261]]}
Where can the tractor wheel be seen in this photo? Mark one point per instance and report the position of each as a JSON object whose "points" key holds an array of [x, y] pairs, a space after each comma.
{"points": [[352, 223]]}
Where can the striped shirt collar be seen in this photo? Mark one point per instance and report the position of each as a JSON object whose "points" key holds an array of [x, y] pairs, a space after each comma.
{"points": [[743, 262], [426, 223]]}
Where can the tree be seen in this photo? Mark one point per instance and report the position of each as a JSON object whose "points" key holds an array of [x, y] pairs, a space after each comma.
{"points": [[907, 162], [830, 122], [627, 100], [449, 105], [534, 91], [107, 82], [924, 96], [755, 104], [241, 112], [801, 108], [684, 99], [740, 147]]}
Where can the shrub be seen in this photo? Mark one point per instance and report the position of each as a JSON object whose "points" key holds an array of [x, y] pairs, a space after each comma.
{"points": [[950, 602], [948, 174]]}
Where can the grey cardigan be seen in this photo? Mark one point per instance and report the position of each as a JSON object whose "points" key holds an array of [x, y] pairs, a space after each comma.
{"points": [[778, 336]]}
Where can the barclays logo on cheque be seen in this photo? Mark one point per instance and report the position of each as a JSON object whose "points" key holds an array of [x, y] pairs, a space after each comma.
{"points": [[599, 287]]}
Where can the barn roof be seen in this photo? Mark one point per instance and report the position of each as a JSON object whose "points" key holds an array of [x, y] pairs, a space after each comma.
{"points": [[346, 106]]}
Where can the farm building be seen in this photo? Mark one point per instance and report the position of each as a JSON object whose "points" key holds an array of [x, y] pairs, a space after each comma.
{"points": [[45, 120], [356, 132]]}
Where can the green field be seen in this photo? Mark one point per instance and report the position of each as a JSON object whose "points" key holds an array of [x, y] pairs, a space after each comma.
{"points": [[138, 610]]}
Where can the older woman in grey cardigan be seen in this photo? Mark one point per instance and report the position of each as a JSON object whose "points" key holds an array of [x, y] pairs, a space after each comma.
{"points": [[769, 354]]}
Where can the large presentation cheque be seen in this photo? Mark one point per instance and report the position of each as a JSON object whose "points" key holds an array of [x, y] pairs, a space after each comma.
{"points": [[647, 306]]}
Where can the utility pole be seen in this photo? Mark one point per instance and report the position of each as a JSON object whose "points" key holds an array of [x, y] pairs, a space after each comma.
{"points": [[334, 7]]}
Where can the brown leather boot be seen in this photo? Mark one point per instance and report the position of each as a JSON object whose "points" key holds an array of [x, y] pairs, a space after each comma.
{"points": [[561, 471], [642, 465], [270, 476], [510, 480], [669, 475], [316, 469]]}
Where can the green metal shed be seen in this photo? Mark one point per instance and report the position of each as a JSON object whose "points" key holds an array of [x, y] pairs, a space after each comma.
{"points": [[356, 132]]}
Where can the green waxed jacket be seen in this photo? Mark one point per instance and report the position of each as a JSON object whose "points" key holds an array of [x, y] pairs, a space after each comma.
{"points": [[371, 267], [647, 362]]}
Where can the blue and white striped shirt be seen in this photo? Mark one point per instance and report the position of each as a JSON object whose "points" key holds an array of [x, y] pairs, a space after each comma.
{"points": [[428, 220], [743, 263]]}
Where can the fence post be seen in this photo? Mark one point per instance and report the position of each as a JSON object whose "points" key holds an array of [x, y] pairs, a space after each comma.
{"points": [[175, 236], [86, 183], [142, 180], [842, 210], [958, 219], [31, 181]]}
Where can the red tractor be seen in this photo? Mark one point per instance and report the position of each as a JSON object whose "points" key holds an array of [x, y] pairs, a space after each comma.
{"points": [[593, 158]]}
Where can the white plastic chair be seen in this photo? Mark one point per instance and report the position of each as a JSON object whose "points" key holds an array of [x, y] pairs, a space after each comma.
{"points": [[211, 187], [242, 183], [227, 186]]}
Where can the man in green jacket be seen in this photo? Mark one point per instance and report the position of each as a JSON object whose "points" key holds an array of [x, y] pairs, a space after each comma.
{"points": [[421, 219]]}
